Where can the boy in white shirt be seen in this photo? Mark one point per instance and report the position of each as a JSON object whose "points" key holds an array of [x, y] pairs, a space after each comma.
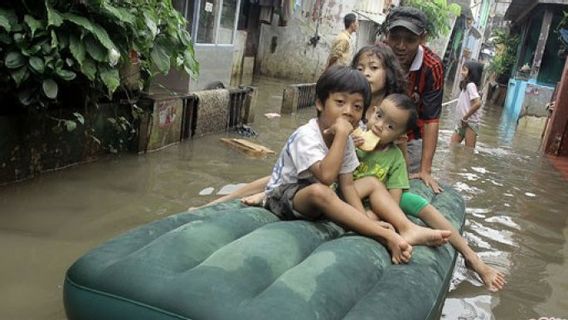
{"points": [[320, 153]]}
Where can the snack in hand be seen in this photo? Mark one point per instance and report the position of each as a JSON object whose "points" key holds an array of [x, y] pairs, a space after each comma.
{"points": [[371, 140]]}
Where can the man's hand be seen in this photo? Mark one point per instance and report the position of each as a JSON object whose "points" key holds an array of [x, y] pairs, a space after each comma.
{"points": [[428, 180], [341, 126]]}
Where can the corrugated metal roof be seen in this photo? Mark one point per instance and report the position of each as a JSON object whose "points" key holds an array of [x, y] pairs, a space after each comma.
{"points": [[518, 7]]}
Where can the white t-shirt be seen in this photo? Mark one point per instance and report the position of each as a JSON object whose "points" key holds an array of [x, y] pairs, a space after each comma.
{"points": [[464, 103], [304, 148]]}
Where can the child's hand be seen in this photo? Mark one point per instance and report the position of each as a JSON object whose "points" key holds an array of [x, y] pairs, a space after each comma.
{"points": [[463, 123], [402, 139], [341, 126], [357, 140]]}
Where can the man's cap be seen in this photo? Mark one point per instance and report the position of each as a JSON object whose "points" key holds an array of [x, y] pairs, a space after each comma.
{"points": [[409, 18]]}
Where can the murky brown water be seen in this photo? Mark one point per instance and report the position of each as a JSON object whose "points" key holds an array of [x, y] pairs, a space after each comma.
{"points": [[516, 213]]}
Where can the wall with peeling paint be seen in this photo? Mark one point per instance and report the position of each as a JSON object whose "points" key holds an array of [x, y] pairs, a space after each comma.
{"points": [[285, 52]]}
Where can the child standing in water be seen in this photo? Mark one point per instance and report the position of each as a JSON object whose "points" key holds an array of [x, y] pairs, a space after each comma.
{"points": [[469, 103]]}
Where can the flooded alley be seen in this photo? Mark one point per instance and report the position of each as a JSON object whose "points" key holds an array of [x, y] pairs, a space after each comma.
{"points": [[516, 212]]}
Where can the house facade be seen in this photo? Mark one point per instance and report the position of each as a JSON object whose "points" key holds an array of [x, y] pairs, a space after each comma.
{"points": [[538, 66]]}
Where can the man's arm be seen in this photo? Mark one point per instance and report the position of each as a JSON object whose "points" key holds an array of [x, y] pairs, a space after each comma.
{"points": [[429, 143], [432, 108]]}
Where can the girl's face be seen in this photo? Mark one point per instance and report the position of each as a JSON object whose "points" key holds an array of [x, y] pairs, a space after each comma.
{"points": [[373, 69], [464, 72]]}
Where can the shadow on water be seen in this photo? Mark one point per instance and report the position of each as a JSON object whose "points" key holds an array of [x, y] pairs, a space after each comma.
{"points": [[516, 212]]}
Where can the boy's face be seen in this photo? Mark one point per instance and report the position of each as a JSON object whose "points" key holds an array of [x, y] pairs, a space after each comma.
{"points": [[373, 69], [388, 122], [404, 43], [340, 104]]}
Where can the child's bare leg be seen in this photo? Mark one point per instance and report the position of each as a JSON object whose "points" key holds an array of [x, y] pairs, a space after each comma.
{"points": [[251, 188], [254, 200], [456, 138], [317, 199], [387, 209], [470, 137], [493, 279]]}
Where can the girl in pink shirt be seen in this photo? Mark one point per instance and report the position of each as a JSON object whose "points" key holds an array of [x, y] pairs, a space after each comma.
{"points": [[469, 102]]}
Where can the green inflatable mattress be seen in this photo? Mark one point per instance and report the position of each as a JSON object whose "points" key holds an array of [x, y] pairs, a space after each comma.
{"points": [[229, 261]]}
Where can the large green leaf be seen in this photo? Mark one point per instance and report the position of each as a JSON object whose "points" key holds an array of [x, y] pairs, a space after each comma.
{"points": [[150, 21], [95, 49], [14, 60], [4, 23], [49, 87], [77, 48], [37, 64], [8, 19], [121, 14], [66, 74], [54, 18], [110, 78], [32, 23], [160, 57], [89, 69], [20, 75], [98, 31]]}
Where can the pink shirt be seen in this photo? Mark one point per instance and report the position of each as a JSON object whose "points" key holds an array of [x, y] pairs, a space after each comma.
{"points": [[464, 103]]}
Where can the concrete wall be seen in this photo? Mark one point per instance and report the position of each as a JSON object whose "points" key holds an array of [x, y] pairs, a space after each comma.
{"points": [[215, 64], [285, 52]]}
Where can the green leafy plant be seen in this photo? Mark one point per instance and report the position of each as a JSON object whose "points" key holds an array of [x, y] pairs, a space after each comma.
{"points": [[438, 13], [506, 53], [53, 46]]}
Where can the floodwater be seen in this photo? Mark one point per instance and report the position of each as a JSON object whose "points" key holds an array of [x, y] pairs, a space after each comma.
{"points": [[516, 205]]}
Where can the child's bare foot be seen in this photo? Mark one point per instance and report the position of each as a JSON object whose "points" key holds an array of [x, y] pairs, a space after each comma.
{"points": [[254, 200], [400, 250], [492, 278], [418, 235], [386, 225]]}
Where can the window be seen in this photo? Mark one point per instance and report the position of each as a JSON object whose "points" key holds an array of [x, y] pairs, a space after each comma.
{"points": [[227, 26], [215, 19], [207, 27]]}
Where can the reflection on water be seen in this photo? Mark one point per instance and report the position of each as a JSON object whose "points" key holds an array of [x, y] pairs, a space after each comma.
{"points": [[515, 218]]}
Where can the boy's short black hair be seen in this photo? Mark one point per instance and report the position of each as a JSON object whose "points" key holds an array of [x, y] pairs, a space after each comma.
{"points": [[404, 102], [349, 19], [339, 78]]}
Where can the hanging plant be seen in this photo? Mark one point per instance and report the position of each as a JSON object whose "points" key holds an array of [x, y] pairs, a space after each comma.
{"points": [[438, 13], [53, 45]]}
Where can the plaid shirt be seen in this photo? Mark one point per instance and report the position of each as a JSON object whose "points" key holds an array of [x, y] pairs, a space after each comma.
{"points": [[426, 88]]}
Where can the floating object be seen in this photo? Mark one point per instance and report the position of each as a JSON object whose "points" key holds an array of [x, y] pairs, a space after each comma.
{"points": [[371, 140], [247, 146], [230, 188], [229, 261], [245, 131], [272, 115], [206, 192]]}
